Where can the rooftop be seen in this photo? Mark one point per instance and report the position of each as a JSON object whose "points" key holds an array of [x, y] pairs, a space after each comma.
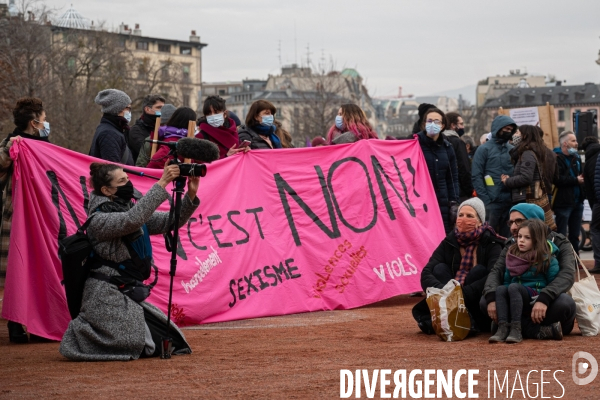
{"points": [[588, 93]]}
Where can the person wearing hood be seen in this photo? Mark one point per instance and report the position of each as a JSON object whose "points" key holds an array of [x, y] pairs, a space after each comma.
{"points": [[591, 181], [441, 162], [568, 195], [175, 129], [453, 135], [115, 323], [29, 117], [553, 304], [110, 140], [217, 127], [490, 162], [144, 127], [260, 129], [144, 156]]}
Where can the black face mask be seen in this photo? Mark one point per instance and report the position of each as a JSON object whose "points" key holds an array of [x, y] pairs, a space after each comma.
{"points": [[125, 192], [504, 136], [460, 131]]}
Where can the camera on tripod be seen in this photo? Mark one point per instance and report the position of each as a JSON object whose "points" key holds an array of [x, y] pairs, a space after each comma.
{"points": [[189, 169]]}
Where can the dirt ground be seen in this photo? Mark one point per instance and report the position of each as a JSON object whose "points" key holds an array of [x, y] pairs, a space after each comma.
{"points": [[293, 357]]}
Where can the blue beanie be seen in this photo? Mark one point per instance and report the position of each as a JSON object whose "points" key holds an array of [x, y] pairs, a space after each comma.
{"points": [[529, 211]]}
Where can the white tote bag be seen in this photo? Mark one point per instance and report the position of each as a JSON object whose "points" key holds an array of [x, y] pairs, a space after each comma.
{"points": [[587, 298], [449, 316]]}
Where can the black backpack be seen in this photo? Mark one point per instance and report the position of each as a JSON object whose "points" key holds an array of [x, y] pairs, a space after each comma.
{"points": [[75, 253]]}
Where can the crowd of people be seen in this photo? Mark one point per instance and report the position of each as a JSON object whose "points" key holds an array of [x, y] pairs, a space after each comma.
{"points": [[507, 206]]}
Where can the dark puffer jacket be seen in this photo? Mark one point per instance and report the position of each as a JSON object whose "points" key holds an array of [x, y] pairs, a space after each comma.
{"points": [[109, 144], [448, 252], [527, 171], [462, 162], [589, 172], [441, 163], [568, 190], [256, 141]]}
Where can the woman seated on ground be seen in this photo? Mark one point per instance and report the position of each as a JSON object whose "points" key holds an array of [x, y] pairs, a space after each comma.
{"points": [[114, 322], [467, 254], [351, 118], [217, 127], [260, 129], [175, 129]]}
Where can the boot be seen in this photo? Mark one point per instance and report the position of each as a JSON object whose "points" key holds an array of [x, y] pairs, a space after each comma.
{"points": [[16, 333], [515, 335], [494, 328], [501, 333], [548, 332]]}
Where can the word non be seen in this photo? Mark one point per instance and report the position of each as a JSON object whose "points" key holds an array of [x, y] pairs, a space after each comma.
{"points": [[419, 384], [205, 266], [395, 268], [289, 271]]}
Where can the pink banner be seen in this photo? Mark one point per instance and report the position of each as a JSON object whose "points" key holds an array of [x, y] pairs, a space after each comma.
{"points": [[277, 232]]}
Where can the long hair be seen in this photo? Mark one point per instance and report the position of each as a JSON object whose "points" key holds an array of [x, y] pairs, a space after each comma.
{"points": [[355, 121], [256, 108], [283, 135], [538, 232], [531, 140]]}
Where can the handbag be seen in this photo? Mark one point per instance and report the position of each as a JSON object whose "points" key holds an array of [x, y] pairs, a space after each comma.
{"points": [[449, 316], [586, 295]]}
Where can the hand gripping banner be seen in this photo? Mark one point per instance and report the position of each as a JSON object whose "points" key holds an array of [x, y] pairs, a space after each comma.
{"points": [[277, 232]]}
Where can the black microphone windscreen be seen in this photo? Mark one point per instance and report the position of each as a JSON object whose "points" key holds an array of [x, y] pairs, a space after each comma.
{"points": [[197, 149]]}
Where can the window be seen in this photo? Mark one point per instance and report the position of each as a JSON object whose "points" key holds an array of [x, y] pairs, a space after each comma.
{"points": [[186, 73], [164, 70], [561, 115], [221, 92], [186, 51], [164, 48], [141, 45], [186, 100]]}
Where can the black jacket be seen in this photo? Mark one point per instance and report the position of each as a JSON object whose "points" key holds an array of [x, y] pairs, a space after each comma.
{"points": [[526, 172], [441, 163], [256, 142], [561, 284], [109, 144], [462, 162], [448, 252], [566, 182], [137, 134], [589, 169]]}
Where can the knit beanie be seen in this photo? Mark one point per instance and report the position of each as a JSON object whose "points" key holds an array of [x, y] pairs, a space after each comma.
{"points": [[113, 101], [529, 211], [318, 141], [166, 112], [423, 109], [477, 205]]}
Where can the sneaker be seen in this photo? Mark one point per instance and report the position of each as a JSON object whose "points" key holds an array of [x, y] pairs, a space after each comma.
{"points": [[550, 332]]}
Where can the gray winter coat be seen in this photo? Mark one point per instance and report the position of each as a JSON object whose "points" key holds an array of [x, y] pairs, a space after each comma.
{"points": [[526, 172], [111, 326], [492, 158]]}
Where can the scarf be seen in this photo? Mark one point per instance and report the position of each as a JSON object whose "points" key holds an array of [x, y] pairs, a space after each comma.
{"points": [[168, 132], [470, 241], [517, 265], [119, 122], [18, 132], [149, 120], [224, 137], [268, 131]]}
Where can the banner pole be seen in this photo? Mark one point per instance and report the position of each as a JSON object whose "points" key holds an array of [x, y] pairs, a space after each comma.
{"points": [[191, 131], [155, 137]]}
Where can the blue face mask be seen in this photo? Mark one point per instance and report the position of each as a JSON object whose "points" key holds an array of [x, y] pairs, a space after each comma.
{"points": [[157, 113], [572, 151], [127, 116], [339, 122], [432, 128], [45, 131], [267, 120]]}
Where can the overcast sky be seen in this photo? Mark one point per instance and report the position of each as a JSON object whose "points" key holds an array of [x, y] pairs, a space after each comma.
{"points": [[425, 46]]}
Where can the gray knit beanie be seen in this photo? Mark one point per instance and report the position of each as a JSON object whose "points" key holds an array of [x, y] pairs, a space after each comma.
{"points": [[113, 101], [477, 205], [166, 112]]}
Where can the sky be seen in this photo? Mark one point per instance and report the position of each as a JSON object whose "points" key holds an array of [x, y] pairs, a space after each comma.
{"points": [[425, 46]]}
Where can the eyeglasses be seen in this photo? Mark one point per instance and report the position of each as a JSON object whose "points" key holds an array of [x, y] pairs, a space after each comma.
{"points": [[517, 221], [435, 121]]}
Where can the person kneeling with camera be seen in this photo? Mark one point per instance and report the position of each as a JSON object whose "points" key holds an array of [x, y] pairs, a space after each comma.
{"points": [[114, 322]]}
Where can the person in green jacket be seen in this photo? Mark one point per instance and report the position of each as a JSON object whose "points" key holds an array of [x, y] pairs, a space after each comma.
{"points": [[531, 265]]}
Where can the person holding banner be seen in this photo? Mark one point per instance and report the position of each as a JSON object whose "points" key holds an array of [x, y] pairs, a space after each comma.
{"points": [[175, 129], [467, 254], [260, 129], [115, 323], [441, 163], [351, 118], [110, 140], [30, 121], [217, 127]]}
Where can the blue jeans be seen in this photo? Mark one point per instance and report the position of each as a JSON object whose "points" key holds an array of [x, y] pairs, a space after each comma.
{"points": [[568, 220]]}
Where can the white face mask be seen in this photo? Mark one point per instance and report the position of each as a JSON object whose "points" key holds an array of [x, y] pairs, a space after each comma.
{"points": [[216, 120], [127, 116]]}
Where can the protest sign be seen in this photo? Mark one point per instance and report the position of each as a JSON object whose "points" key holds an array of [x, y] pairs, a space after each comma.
{"points": [[277, 232], [542, 116]]}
